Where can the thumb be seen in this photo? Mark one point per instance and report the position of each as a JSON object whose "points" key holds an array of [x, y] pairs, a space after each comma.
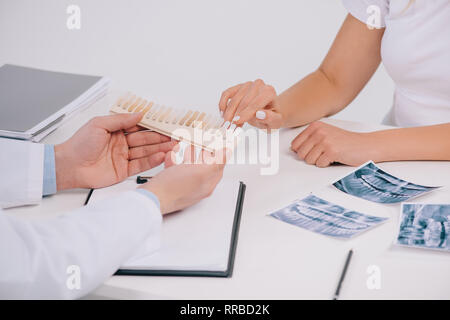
{"points": [[173, 157], [170, 159], [271, 119], [118, 122], [219, 157]]}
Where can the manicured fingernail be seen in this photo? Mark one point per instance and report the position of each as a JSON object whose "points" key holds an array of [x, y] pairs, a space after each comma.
{"points": [[232, 127], [238, 131], [221, 114], [261, 115], [226, 124], [236, 118], [197, 154]]}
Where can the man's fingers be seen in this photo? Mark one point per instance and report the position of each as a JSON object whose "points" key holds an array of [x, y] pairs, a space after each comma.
{"points": [[222, 156], [178, 154], [134, 129], [143, 164], [117, 122], [170, 159], [189, 155], [147, 150], [219, 157], [142, 138]]}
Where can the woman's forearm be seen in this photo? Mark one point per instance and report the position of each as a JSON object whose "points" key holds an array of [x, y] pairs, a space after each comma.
{"points": [[419, 143], [352, 60], [350, 63], [310, 99]]}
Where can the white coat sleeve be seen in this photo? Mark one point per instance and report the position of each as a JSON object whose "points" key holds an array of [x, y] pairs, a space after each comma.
{"points": [[41, 259], [21, 172]]}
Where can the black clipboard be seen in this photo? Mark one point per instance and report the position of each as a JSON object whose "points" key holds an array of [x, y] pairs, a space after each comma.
{"points": [[198, 273]]}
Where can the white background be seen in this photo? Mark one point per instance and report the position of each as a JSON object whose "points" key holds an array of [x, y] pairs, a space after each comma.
{"points": [[184, 53]]}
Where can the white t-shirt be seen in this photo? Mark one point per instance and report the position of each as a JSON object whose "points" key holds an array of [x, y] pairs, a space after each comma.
{"points": [[416, 53]]}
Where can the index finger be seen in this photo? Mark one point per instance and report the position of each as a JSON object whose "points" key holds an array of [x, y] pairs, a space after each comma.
{"points": [[142, 138], [226, 95], [116, 122]]}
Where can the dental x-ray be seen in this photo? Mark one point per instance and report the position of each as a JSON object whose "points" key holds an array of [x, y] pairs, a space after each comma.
{"points": [[318, 215], [371, 183], [425, 226]]}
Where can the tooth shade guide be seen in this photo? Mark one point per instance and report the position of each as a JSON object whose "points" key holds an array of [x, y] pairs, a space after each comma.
{"points": [[141, 106], [123, 100], [135, 103], [157, 113], [128, 102], [199, 122], [120, 101], [205, 125], [185, 117], [147, 108], [153, 109], [177, 116], [170, 117], [165, 114], [167, 120], [192, 118]]}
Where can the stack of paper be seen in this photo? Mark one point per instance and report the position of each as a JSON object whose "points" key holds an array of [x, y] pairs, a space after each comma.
{"points": [[35, 102]]}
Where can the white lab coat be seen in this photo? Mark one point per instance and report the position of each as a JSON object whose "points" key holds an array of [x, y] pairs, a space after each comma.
{"points": [[41, 258]]}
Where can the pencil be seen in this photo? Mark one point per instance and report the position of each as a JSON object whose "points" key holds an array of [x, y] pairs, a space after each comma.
{"points": [[344, 271], [88, 196]]}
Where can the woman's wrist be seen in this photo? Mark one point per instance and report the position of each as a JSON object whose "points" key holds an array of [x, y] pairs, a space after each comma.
{"points": [[381, 147], [278, 108]]}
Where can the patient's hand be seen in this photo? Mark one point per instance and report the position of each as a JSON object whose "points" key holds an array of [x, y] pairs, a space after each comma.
{"points": [[100, 154], [322, 144], [180, 186], [254, 102]]}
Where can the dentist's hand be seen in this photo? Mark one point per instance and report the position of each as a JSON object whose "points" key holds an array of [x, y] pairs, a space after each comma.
{"points": [[180, 186], [100, 154], [254, 102]]}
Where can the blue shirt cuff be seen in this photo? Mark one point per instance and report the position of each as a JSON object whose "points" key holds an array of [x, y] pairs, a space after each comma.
{"points": [[49, 182], [150, 195]]}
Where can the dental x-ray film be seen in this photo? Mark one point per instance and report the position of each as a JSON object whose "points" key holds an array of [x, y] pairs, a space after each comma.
{"points": [[425, 226], [371, 183], [318, 215]]}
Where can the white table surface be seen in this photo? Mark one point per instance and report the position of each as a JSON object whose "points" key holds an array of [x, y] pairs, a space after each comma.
{"points": [[275, 260]]}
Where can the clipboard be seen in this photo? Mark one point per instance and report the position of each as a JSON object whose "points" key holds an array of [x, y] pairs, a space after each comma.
{"points": [[227, 273]]}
